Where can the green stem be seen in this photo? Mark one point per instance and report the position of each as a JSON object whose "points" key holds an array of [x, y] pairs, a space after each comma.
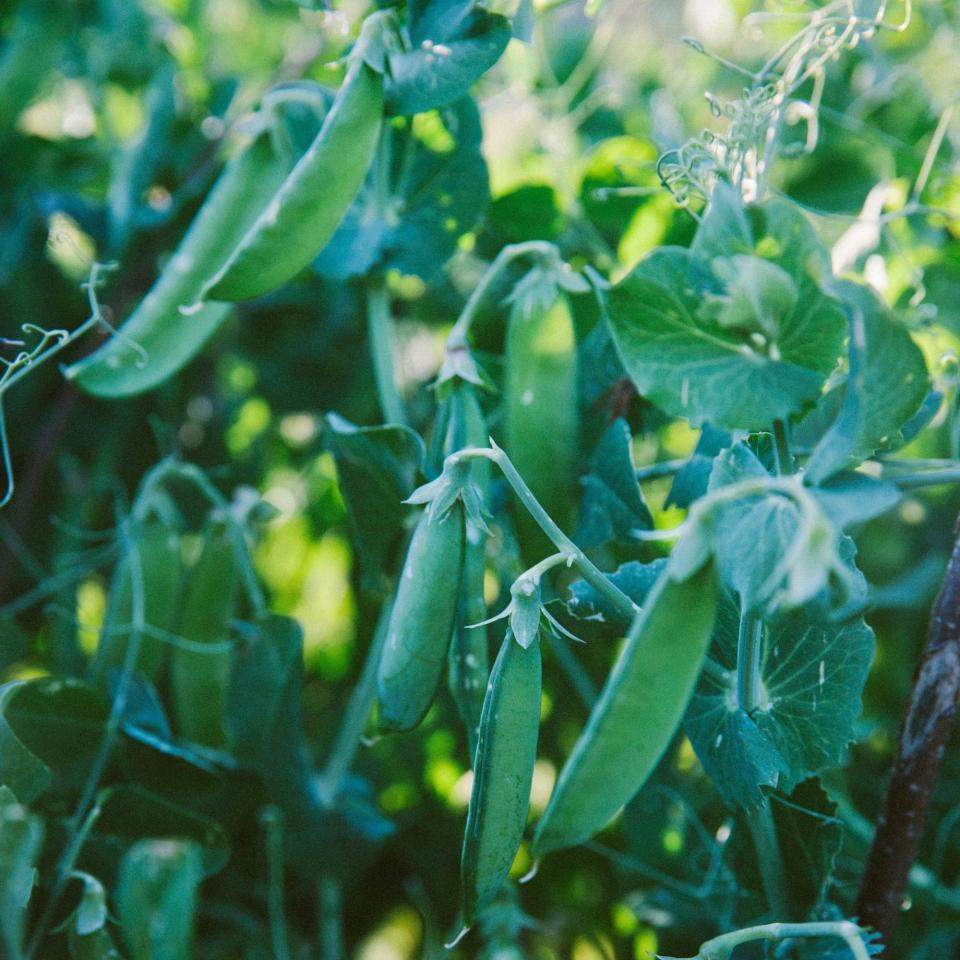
{"points": [[272, 820], [721, 948], [576, 557], [457, 338], [350, 735], [656, 471], [781, 448], [380, 331], [929, 478], [330, 918], [749, 650]]}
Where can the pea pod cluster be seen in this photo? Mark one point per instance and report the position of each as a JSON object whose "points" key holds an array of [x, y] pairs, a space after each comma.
{"points": [[154, 559], [503, 773], [638, 711], [423, 618], [169, 327], [314, 198], [541, 419], [200, 675]]}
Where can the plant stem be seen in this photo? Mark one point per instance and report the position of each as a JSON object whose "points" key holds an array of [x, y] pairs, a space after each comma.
{"points": [[380, 331], [928, 478], [749, 650], [330, 918], [656, 471], [272, 820], [761, 824], [923, 737], [457, 338], [721, 948], [587, 569], [781, 448], [350, 735]]}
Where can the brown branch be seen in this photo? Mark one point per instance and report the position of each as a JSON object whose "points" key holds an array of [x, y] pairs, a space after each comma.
{"points": [[923, 738]]}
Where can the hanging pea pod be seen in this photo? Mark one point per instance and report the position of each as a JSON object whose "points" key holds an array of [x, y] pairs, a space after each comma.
{"points": [[540, 399], [169, 327], [469, 661], [200, 676], [503, 773], [314, 198], [422, 619], [157, 565], [638, 711]]}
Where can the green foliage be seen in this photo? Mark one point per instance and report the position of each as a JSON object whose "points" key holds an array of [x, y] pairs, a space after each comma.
{"points": [[434, 338]]}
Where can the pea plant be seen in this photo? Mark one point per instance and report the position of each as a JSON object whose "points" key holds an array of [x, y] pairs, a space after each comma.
{"points": [[490, 523]]}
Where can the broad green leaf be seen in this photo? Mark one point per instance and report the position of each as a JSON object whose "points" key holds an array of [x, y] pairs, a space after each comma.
{"points": [[20, 836], [612, 506], [265, 725], [50, 730], [591, 609], [129, 813], [437, 188], [376, 468], [694, 477], [887, 385], [812, 672], [852, 498], [157, 899], [452, 44], [663, 320], [809, 837]]}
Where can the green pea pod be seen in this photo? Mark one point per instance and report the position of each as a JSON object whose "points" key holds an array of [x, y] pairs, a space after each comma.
{"points": [[638, 711], [469, 661], [503, 773], [200, 677], [158, 551], [314, 198], [541, 418], [422, 619], [169, 327]]}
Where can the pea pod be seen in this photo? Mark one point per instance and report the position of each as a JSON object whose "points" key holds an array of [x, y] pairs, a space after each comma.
{"points": [[469, 661], [200, 677], [314, 198], [503, 773], [157, 547], [169, 328], [541, 417], [638, 711], [422, 619]]}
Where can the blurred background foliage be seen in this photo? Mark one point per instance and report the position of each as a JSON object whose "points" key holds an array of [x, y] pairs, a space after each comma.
{"points": [[108, 157]]}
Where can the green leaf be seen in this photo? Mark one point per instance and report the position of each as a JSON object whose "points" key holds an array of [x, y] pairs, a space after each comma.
{"points": [[50, 730], [437, 188], [812, 672], [684, 360], [20, 837], [612, 506], [889, 383], [157, 899], [809, 837], [852, 498], [129, 813], [694, 477], [265, 725], [376, 468], [452, 44], [588, 607]]}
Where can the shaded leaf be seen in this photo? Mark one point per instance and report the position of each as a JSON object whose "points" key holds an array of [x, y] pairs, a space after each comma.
{"points": [[376, 468], [612, 506]]}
